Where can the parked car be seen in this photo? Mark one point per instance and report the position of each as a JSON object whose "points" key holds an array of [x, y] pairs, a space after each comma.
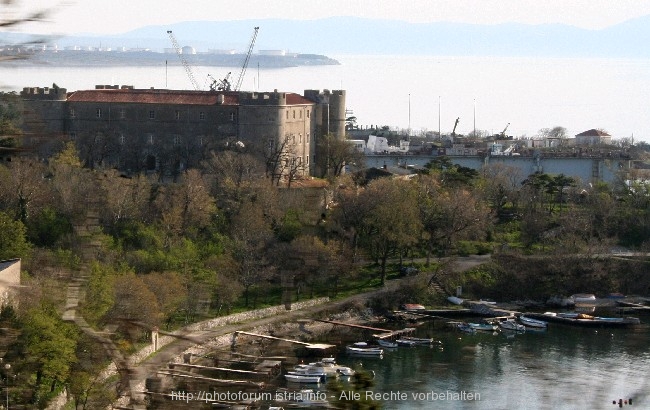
{"points": [[408, 270]]}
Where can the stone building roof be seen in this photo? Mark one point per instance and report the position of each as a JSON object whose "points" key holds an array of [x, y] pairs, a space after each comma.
{"points": [[593, 133]]}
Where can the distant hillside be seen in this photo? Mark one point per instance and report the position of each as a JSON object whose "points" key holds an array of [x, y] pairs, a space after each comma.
{"points": [[351, 35]]}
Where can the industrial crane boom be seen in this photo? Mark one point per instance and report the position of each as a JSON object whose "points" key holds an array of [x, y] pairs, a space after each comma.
{"points": [[245, 64], [453, 133], [186, 65]]}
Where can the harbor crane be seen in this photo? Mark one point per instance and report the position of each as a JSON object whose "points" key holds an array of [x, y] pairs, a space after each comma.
{"points": [[220, 85], [246, 59], [184, 62], [453, 132], [503, 133]]}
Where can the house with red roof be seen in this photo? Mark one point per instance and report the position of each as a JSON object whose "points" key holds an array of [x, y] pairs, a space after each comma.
{"points": [[593, 137]]}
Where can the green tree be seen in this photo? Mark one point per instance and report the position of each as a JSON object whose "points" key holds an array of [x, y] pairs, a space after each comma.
{"points": [[393, 223], [49, 350], [13, 238]]}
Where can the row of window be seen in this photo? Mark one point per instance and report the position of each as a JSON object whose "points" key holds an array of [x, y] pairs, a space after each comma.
{"points": [[176, 139], [299, 114], [152, 114]]}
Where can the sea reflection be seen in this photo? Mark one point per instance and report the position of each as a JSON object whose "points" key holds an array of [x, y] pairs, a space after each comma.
{"points": [[562, 368]]}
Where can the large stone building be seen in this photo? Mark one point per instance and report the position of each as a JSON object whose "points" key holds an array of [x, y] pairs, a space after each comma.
{"points": [[170, 130]]}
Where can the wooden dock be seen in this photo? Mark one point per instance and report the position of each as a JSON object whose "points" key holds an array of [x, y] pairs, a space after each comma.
{"points": [[385, 333], [313, 346]]}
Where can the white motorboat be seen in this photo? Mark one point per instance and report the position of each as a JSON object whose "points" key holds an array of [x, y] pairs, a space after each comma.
{"points": [[530, 322], [362, 348], [331, 368], [387, 344], [303, 378], [512, 325]]}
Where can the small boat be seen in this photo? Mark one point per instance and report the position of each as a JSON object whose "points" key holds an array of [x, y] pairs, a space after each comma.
{"points": [[530, 322], [421, 340], [512, 325], [455, 300], [484, 327], [405, 343], [464, 327], [362, 348], [308, 370], [584, 298], [303, 378], [387, 344], [412, 306], [331, 368]]}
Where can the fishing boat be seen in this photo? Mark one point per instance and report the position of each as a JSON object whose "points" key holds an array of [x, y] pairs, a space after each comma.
{"points": [[464, 327], [512, 325], [362, 348], [405, 343], [421, 340], [530, 322], [303, 378], [387, 344], [584, 298], [484, 327], [331, 368]]}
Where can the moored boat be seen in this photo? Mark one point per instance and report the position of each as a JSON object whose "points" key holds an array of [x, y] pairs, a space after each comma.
{"points": [[362, 348], [405, 343], [512, 325], [584, 298], [331, 368], [464, 327], [421, 340], [303, 378], [484, 327], [530, 322], [387, 344]]}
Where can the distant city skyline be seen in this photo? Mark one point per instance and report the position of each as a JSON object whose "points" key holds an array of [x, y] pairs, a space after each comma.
{"points": [[119, 16]]}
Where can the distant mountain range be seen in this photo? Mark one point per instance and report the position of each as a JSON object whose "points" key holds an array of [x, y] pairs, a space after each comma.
{"points": [[352, 35]]}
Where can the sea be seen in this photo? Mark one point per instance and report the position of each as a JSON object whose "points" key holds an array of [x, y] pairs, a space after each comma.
{"points": [[564, 367], [421, 93]]}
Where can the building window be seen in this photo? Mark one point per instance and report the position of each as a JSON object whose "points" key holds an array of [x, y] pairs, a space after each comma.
{"points": [[300, 114], [73, 136], [287, 114], [294, 114], [201, 115], [270, 144], [307, 138], [98, 113], [152, 114], [177, 140], [121, 139], [307, 160], [150, 139], [177, 115], [122, 113], [72, 113], [299, 138], [307, 113], [232, 117]]}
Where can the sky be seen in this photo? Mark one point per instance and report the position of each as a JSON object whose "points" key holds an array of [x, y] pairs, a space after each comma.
{"points": [[119, 16]]}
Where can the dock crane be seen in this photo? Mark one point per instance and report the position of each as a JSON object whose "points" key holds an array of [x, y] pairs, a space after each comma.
{"points": [[246, 59], [453, 132], [503, 133], [220, 85], [186, 65]]}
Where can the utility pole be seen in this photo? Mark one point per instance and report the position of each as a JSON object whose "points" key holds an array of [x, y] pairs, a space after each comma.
{"points": [[439, 135]]}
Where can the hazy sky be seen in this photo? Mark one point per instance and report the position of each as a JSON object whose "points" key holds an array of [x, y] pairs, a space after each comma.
{"points": [[117, 16]]}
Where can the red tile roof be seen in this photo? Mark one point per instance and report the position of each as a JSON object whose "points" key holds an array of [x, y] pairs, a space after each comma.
{"points": [[153, 96], [297, 99], [159, 96], [593, 133]]}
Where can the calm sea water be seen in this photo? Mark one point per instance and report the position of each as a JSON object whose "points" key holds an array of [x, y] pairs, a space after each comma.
{"points": [[562, 368], [403, 92]]}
